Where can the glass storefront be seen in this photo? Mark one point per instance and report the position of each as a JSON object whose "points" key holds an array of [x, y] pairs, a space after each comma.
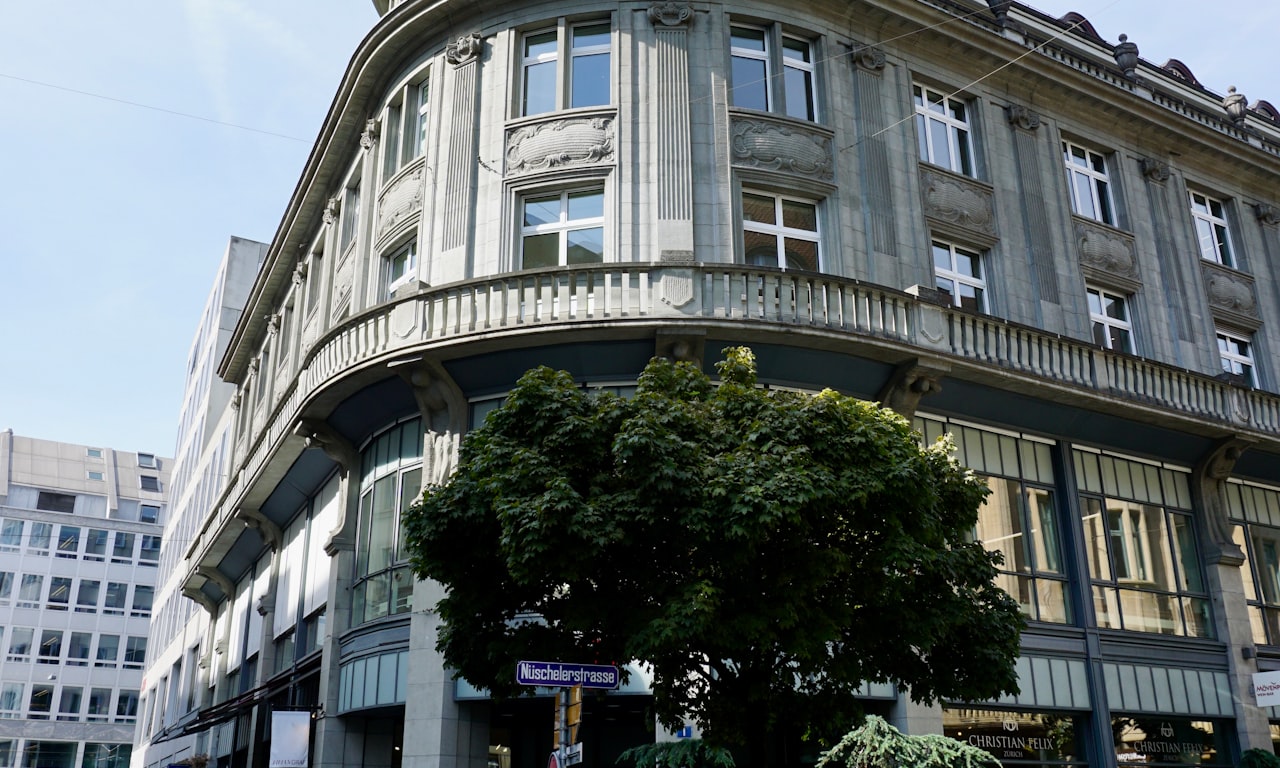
{"points": [[390, 480], [1159, 740], [1028, 739]]}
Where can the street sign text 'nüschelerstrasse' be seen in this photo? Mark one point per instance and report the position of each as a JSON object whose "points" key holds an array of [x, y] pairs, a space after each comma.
{"points": [[552, 674]]}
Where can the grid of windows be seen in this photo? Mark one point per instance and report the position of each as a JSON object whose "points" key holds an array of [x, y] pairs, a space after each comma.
{"points": [[1212, 232], [562, 229], [779, 231], [771, 71], [958, 273], [565, 67], [942, 130], [1109, 315], [1141, 546], [1236, 355], [1088, 183]]}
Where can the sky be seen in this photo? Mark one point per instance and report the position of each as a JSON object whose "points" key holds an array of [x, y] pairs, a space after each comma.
{"points": [[139, 135]]}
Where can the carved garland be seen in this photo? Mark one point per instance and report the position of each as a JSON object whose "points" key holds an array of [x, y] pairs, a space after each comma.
{"points": [[958, 203], [560, 143], [779, 147]]}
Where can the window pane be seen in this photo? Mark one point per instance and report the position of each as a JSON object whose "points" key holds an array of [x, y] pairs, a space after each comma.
{"points": [[41, 535], [590, 80], [758, 208], [539, 88], [801, 254], [1000, 524], [749, 83], [585, 246], [1051, 601], [941, 144], [539, 45], [799, 215], [760, 249], [1044, 532], [586, 205], [1095, 538], [541, 251], [799, 92], [541, 210], [382, 523], [745, 37]]}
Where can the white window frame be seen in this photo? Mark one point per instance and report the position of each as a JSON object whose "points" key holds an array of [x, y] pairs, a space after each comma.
{"points": [[1219, 248], [1086, 183], [564, 225], [955, 276], [563, 56], [404, 135], [780, 232], [349, 215], [389, 279], [1235, 353], [1107, 321], [960, 156], [776, 63]]}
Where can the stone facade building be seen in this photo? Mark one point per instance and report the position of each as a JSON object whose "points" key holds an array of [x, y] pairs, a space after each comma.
{"points": [[993, 221]]}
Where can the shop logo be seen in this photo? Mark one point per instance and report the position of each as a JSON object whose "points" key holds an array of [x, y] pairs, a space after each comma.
{"points": [[1010, 725], [1166, 730]]}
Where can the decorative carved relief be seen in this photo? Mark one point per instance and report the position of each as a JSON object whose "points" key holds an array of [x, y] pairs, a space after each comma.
{"points": [[958, 202], [1268, 214], [1230, 294], [560, 143], [1108, 255], [869, 57], [464, 49], [670, 14], [1208, 483], [342, 284], [1022, 117], [331, 210], [1155, 170], [909, 382], [370, 134], [400, 200], [777, 146], [677, 284]]}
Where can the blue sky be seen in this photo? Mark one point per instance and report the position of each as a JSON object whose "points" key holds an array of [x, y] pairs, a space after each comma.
{"points": [[113, 217]]}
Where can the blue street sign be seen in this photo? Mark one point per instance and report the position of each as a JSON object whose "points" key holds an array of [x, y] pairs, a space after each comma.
{"points": [[554, 674]]}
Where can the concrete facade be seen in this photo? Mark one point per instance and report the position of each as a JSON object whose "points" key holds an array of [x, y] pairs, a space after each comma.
{"points": [[992, 221], [79, 546]]}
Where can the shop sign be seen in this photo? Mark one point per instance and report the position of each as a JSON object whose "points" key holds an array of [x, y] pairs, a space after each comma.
{"points": [[1148, 740], [1013, 736], [1266, 687]]}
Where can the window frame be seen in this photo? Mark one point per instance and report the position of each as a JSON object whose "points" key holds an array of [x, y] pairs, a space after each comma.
{"points": [[1217, 223], [779, 230], [564, 225], [956, 277], [404, 116], [777, 96], [1108, 322], [387, 279], [1246, 361], [1097, 183], [961, 158], [562, 56]]}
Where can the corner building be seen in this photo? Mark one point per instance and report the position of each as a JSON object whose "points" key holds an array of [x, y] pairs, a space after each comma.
{"points": [[995, 222]]}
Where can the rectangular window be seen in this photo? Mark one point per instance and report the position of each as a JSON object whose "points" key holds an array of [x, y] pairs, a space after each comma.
{"points": [[41, 702], [147, 460], [93, 453], [99, 705], [758, 55], [95, 545], [1141, 550], [142, 599], [350, 217], [20, 642], [78, 649], [315, 279], [87, 596], [108, 651], [149, 554], [399, 267], [6, 587], [95, 475], [562, 229], [11, 700], [41, 538], [148, 513], [10, 535], [1109, 315], [404, 127], [59, 593], [1236, 355], [565, 67], [151, 482], [114, 604], [958, 273], [69, 704], [1088, 183], [127, 707], [68, 541], [122, 550], [50, 647], [942, 130], [135, 652], [56, 502], [780, 231], [1212, 231], [29, 590]]}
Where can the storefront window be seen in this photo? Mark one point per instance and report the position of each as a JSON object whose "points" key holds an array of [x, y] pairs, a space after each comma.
{"points": [[1019, 518], [1156, 740], [1258, 509], [1141, 547], [1018, 738], [391, 479]]}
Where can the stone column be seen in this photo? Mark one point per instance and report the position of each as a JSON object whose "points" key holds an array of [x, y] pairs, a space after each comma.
{"points": [[1166, 220], [1025, 125], [459, 190], [670, 127], [873, 159]]}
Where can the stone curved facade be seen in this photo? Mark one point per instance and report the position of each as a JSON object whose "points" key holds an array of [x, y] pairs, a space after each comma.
{"points": [[502, 186]]}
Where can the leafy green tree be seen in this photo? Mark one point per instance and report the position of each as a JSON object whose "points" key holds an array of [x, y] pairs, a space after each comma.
{"points": [[876, 744], [1258, 758], [764, 552]]}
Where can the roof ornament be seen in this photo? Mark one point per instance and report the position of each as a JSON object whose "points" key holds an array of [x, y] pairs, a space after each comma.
{"points": [[1000, 9], [1236, 106], [1126, 54]]}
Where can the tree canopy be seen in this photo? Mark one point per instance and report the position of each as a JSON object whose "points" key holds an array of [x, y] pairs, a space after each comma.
{"points": [[764, 552]]}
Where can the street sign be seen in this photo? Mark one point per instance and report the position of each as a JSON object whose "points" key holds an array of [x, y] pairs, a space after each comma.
{"points": [[573, 754], [554, 674]]}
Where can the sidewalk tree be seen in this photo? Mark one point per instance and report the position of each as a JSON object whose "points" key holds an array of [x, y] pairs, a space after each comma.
{"points": [[764, 552]]}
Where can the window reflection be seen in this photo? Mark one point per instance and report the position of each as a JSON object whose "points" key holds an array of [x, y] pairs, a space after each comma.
{"points": [[391, 480]]}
